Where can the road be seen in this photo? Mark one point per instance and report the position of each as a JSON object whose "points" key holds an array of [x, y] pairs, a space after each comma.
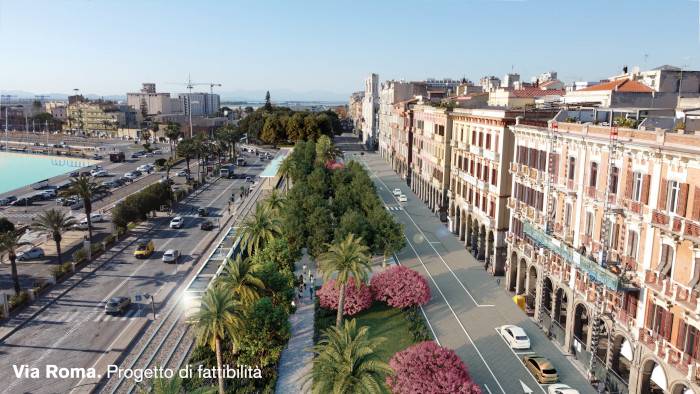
{"points": [[467, 304], [75, 332]]}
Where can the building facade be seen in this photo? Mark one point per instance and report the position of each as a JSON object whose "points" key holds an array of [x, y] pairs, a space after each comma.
{"points": [[388, 119], [148, 102], [100, 116], [199, 104], [431, 153], [604, 245], [370, 107]]}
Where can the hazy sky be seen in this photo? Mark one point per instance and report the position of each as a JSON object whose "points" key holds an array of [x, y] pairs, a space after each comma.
{"points": [[111, 46]]}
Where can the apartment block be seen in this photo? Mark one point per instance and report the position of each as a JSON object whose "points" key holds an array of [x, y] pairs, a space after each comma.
{"points": [[604, 245]]}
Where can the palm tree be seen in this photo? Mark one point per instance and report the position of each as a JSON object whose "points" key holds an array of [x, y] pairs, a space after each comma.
{"points": [[186, 148], [285, 171], [9, 242], [56, 223], [219, 317], [274, 202], [239, 277], [348, 259], [259, 229], [84, 188], [347, 362], [172, 132]]}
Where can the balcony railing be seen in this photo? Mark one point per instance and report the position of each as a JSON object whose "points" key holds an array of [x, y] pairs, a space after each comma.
{"points": [[654, 280], [476, 150]]}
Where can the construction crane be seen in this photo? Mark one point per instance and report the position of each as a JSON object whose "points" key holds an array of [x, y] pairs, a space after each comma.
{"points": [[190, 85]]}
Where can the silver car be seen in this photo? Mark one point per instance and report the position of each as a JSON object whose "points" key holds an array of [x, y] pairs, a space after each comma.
{"points": [[117, 305], [170, 256], [33, 253]]}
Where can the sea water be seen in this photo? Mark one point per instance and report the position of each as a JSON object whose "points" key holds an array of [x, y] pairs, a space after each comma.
{"points": [[20, 169]]}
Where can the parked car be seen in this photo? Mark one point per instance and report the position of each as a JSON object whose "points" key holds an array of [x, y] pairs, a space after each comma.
{"points": [[203, 211], [30, 254], [182, 173], [144, 168], [7, 200], [397, 192], [135, 155], [77, 205], [248, 179], [144, 249], [543, 370], [131, 175], [74, 174], [21, 202], [117, 305], [49, 193], [99, 173], [171, 256], [177, 222], [137, 173], [561, 388], [403, 198], [96, 217], [97, 157], [207, 225], [515, 337]]}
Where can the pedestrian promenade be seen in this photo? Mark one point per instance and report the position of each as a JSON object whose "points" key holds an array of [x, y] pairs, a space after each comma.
{"points": [[296, 359]]}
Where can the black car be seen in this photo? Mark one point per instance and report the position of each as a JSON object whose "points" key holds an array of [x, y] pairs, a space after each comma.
{"points": [[207, 225], [24, 201], [74, 174], [7, 200]]}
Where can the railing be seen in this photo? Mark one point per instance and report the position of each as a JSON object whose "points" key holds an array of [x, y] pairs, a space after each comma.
{"points": [[654, 280], [659, 218], [475, 150], [592, 192]]}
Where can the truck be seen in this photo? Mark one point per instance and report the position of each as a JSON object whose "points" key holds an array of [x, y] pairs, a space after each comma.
{"points": [[226, 171], [117, 157]]}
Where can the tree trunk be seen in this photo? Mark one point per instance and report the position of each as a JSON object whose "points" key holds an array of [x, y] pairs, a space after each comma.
{"points": [[218, 363], [88, 211], [341, 305], [58, 249], [384, 260], [15, 276]]}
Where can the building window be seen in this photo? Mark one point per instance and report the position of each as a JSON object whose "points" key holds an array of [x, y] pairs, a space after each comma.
{"points": [[488, 140], [660, 321], [593, 181], [637, 186], [494, 176], [666, 261], [632, 244], [567, 215], [572, 168], [674, 191], [614, 179], [589, 224], [481, 139]]}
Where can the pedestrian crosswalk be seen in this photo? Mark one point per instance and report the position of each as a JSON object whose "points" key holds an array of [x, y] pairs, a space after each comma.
{"points": [[94, 316], [394, 208]]}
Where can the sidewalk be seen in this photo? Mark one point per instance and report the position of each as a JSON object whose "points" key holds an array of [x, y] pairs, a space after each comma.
{"points": [[296, 359]]}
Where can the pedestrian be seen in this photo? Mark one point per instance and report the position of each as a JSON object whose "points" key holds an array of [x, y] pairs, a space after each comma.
{"points": [[311, 279], [303, 269], [311, 293]]}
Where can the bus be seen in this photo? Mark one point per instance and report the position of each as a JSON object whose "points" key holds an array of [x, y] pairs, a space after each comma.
{"points": [[226, 171]]}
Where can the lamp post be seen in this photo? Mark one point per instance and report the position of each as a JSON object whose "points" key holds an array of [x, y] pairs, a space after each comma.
{"points": [[189, 106]]}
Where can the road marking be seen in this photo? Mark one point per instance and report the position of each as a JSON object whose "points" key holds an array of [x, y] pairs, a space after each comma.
{"points": [[455, 315], [487, 389], [435, 250]]}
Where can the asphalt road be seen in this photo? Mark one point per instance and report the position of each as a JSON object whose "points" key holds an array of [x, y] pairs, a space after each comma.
{"points": [[466, 305], [75, 332]]}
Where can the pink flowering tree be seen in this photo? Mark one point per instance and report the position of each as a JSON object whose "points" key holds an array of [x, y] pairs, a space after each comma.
{"points": [[400, 287], [356, 299], [429, 368]]}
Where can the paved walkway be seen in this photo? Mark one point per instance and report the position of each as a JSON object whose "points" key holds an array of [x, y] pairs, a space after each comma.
{"points": [[296, 359]]}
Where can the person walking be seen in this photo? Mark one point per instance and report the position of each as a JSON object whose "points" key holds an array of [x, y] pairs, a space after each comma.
{"points": [[303, 269], [311, 293]]}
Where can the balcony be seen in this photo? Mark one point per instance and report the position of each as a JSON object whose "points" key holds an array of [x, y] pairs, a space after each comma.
{"points": [[687, 298], [492, 155], [476, 150], [632, 206], [462, 145], [654, 280], [593, 193]]}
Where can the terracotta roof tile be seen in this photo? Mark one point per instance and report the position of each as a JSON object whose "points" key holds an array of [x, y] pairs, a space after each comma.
{"points": [[620, 85]]}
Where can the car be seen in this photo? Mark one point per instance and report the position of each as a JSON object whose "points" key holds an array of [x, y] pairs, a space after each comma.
{"points": [[144, 249], [177, 222], [22, 202], [117, 305], [109, 184], [97, 157], [397, 192], [203, 211], [170, 256], [96, 217], [515, 337], [7, 200], [248, 179], [541, 368], [135, 155], [207, 225], [74, 174], [403, 198], [131, 175], [137, 173], [182, 173], [157, 152], [99, 173], [30, 254], [144, 168], [76, 205], [561, 388], [49, 193]]}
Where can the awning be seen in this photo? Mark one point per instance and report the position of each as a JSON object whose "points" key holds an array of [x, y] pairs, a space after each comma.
{"points": [[626, 350], [659, 377]]}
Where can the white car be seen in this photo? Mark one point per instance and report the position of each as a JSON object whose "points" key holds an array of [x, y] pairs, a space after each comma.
{"points": [[177, 222], [515, 337], [99, 173], [145, 167], [33, 253], [182, 173], [560, 388], [170, 256], [130, 175], [397, 192], [96, 217], [403, 198]]}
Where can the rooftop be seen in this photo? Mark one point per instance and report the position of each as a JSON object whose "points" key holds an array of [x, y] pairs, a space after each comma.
{"points": [[619, 85]]}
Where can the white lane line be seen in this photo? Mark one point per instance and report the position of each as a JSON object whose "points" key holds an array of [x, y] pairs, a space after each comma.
{"points": [[455, 315], [487, 389], [520, 359], [435, 250]]}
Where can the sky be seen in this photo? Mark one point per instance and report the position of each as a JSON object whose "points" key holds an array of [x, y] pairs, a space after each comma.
{"points": [[328, 47]]}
